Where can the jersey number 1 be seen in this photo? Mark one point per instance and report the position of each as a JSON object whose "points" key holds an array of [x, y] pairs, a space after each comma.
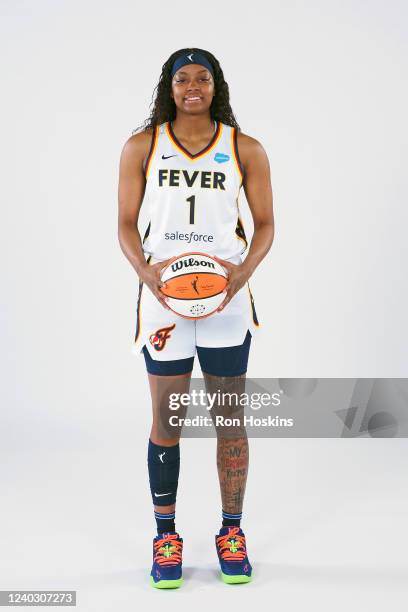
{"points": [[191, 199]]}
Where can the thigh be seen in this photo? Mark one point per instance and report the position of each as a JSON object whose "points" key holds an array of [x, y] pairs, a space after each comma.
{"points": [[164, 392], [227, 406]]}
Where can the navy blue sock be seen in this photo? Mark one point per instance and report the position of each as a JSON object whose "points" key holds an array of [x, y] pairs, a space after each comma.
{"points": [[165, 522], [231, 520]]}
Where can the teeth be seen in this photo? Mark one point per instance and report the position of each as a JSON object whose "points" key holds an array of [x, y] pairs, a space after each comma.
{"points": [[192, 98]]}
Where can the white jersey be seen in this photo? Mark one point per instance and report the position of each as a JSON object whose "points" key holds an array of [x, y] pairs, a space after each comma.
{"points": [[193, 199]]}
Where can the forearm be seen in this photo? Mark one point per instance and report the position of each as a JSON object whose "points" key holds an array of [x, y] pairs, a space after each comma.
{"points": [[131, 245], [260, 244]]}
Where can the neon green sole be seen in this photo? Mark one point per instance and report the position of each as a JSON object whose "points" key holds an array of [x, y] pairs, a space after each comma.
{"points": [[236, 579], [166, 584]]}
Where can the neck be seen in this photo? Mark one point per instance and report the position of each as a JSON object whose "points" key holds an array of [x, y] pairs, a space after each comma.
{"points": [[190, 125]]}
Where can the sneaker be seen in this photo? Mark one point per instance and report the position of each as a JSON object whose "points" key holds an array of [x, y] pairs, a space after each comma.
{"points": [[232, 555], [167, 561]]}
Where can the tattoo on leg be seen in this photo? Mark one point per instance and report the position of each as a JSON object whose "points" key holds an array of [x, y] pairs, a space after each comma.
{"points": [[232, 464], [232, 441]]}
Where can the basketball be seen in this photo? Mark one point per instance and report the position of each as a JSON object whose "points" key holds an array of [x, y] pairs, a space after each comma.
{"points": [[194, 285]]}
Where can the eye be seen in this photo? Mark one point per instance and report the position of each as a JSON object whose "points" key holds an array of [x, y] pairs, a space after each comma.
{"points": [[182, 80]]}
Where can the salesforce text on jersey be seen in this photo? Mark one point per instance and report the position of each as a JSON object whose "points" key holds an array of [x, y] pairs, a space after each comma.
{"points": [[189, 237]]}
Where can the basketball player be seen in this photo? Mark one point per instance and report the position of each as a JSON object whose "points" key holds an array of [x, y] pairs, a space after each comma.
{"points": [[189, 162]]}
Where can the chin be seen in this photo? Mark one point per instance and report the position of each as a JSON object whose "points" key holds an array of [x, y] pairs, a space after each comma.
{"points": [[195, 111]]}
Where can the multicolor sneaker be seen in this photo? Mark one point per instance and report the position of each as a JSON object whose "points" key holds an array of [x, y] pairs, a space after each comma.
{"points": [[232, 555], [167, 561]]}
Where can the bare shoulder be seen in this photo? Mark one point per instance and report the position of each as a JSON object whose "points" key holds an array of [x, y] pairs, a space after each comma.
{"points": [[137, 147], [249, 146], [252, 154]]}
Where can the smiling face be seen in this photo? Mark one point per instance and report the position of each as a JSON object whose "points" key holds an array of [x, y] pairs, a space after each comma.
{"points": [[193, 89]]}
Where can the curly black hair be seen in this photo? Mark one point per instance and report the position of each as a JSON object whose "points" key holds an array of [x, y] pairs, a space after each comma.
{"points": [[164, 107]]}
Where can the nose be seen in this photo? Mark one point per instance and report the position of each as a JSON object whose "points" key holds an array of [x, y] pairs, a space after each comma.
{"points": [[192, 86]]}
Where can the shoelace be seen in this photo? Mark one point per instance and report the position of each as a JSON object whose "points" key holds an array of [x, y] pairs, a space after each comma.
{"points": [[167, 550], [232, 545]]}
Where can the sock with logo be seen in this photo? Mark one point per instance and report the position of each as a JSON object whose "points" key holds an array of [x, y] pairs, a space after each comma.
{"points": [[229, 519]]}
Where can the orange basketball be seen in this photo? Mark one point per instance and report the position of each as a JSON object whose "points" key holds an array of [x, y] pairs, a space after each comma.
{"points": [[194, 284]]}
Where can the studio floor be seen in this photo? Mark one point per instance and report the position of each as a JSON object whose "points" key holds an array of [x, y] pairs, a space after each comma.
{"points": [[325, 520]]}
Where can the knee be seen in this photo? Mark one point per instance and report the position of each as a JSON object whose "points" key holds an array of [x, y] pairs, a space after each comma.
{"points": [[160, 441]]}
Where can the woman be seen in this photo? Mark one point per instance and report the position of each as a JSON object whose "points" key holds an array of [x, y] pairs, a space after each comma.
{"points": [[190, 160]]}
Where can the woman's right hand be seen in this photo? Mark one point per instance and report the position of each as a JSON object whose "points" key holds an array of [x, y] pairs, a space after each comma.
{"points": [[150, 275]]}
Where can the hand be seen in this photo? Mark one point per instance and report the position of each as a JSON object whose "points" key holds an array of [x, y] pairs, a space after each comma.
{"points": [[237, 277], [150, 275]]}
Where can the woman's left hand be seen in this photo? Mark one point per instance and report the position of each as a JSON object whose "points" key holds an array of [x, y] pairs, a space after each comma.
{"points": [[237, 277]]}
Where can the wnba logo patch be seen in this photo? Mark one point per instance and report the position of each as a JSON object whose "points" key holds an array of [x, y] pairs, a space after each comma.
{"points": [[159, 338], [221, 157]]}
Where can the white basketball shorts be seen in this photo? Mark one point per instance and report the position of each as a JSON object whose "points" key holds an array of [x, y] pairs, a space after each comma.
{"points": [[168, 336]]}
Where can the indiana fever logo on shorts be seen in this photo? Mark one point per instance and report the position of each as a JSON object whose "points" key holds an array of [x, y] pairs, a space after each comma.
{"points": [[159, 338]]}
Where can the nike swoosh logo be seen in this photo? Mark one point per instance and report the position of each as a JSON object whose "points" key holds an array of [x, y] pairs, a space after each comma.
{"points": [[161, 494], [167, 156]]}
